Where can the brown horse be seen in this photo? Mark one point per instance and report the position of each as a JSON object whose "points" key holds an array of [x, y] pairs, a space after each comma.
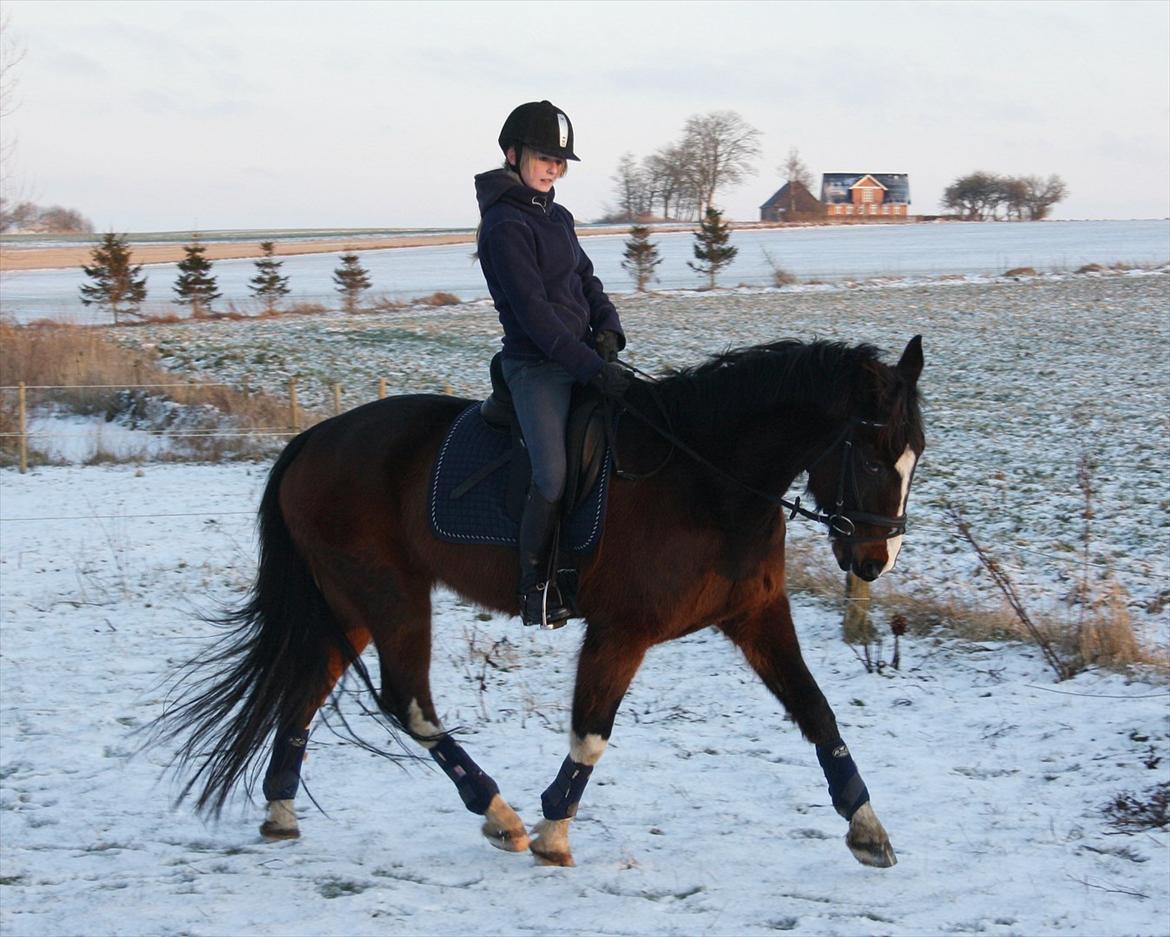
{"points": [[348, 557]]}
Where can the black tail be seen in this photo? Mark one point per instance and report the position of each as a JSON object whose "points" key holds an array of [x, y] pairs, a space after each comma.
{"points": [[265, 673]]}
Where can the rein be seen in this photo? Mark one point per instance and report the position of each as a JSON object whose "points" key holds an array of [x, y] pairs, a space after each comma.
{"points": [[842, 522]]}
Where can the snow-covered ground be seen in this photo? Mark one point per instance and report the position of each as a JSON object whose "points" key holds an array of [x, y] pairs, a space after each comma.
{"points": [[828, 253], [708, 814]]}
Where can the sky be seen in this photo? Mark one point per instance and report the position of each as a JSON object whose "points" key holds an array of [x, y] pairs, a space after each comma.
{"points": [[178, 115]]}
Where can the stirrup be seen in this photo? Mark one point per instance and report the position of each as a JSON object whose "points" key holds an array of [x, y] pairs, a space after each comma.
{"points": [[545, 617]]}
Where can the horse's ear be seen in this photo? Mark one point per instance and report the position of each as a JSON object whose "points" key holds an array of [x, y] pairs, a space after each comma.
{"points": [[910, 364]]}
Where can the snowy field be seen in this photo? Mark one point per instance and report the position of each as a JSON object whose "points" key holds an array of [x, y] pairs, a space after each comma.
{"points": [[829, 253], [708, 814]]}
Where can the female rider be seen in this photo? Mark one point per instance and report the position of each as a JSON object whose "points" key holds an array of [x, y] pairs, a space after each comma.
{"points": [[560, 328]]}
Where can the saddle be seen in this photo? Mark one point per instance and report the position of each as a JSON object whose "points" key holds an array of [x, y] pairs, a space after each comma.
{"points": [[585, 444], [481, 475]]}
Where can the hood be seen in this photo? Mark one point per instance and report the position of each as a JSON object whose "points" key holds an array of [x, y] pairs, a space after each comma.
{"points": [[503, 184]]}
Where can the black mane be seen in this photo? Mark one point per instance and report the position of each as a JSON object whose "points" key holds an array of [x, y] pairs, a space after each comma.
{"points": [[832, 380]]}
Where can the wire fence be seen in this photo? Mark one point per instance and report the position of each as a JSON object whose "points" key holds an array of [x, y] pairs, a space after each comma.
{"points": [[295, 420]]}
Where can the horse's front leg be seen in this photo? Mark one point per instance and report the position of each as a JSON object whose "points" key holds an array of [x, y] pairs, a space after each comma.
{"points": [[768, 640], [605, 668]]}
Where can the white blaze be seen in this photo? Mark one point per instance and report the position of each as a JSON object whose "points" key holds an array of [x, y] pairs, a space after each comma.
{"points": [[905, 468]]}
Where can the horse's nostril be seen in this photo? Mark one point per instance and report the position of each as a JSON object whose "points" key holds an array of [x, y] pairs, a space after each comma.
{"points": [[869, 570]]}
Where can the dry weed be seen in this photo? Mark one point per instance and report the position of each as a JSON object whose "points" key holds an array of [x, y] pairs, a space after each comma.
{"points": [[82, 369]]}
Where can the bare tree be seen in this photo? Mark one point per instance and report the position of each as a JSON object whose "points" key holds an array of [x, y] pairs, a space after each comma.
{"points": [[670, 181], [1042, 194], [1013, 196], [721, 149], [632, 188], [793, 170], [979, 196], [11, 54], [974, 197]]}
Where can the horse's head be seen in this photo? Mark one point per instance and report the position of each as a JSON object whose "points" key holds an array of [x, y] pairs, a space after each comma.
{"points": [[863, 479]]}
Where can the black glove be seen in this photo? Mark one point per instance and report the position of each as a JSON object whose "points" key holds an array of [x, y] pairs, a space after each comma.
{"points": [[608, 344], [611, 380]]}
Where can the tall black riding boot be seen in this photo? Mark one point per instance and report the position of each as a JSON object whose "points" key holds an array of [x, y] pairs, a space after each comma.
{"points": [[540, 602]]}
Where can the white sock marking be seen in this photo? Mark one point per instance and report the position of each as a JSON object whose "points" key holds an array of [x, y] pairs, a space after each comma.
{"points": [[420, 725], [588, 750]]}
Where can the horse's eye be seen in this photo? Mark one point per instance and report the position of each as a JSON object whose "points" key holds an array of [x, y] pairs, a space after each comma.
{"points": [[871, 467]]}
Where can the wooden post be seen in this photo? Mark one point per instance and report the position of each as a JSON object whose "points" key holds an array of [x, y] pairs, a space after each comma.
{"points": [[294, 413], [381, 388], [336, 399], [857, 629], [23, 425]]}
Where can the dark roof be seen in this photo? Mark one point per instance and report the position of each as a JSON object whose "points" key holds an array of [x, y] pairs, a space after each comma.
{"points": [[805, 200], [835, 186]]}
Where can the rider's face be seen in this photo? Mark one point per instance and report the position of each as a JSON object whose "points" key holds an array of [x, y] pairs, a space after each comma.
{"points": [[539, 171]]}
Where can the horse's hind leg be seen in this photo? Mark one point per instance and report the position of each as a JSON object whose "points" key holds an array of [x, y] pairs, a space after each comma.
{"points": [[768, 640], [282, 780]]}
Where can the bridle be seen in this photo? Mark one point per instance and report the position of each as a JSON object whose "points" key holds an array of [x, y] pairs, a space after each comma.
{"points": [[841, 521]]}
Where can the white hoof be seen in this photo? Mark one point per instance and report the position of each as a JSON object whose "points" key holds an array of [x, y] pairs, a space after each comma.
{"points": [[280, 821], [867, 839]]}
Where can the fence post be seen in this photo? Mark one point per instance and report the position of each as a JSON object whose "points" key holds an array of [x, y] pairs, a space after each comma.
{"points": [[336, 399], [294, 413], [381, 388], [856, 627], [23, 425]]}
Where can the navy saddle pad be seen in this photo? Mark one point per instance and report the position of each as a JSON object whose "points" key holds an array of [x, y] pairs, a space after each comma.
{"points": [[476, 513]]}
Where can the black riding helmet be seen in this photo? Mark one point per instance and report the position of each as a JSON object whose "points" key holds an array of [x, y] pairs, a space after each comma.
{"points": [[540, 125]]}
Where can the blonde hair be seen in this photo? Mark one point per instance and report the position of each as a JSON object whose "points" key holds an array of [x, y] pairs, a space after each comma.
{"points": [[529, 154]]}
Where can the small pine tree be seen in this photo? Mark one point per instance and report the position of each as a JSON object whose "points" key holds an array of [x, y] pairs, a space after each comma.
{"points": [[352, 280], [712, 250], [268, 285], [118, 286], [641, 257], [196, 286]]}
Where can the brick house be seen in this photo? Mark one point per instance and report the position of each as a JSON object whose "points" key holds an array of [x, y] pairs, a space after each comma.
{"points": [[792, 202], [869, 196]]}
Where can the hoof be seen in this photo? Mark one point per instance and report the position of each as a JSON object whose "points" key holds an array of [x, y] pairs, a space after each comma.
{"points": [[273, 832], [503, 828], [552, 857], [867, 840], [280, 822], [550, 844], [878, 855]]}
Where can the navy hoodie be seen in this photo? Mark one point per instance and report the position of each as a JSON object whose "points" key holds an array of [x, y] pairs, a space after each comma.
{"points": [[550, 303]]}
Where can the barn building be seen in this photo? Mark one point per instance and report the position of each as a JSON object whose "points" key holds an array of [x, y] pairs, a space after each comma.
{"points": [[792, 202], [868, 196]]}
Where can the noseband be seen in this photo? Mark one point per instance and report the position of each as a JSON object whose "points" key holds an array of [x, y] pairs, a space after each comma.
{"points": [[842, 523]]}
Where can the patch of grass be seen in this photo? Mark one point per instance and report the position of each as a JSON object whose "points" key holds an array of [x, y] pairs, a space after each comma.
{"points": [[439, 298], [1133, 813]]}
